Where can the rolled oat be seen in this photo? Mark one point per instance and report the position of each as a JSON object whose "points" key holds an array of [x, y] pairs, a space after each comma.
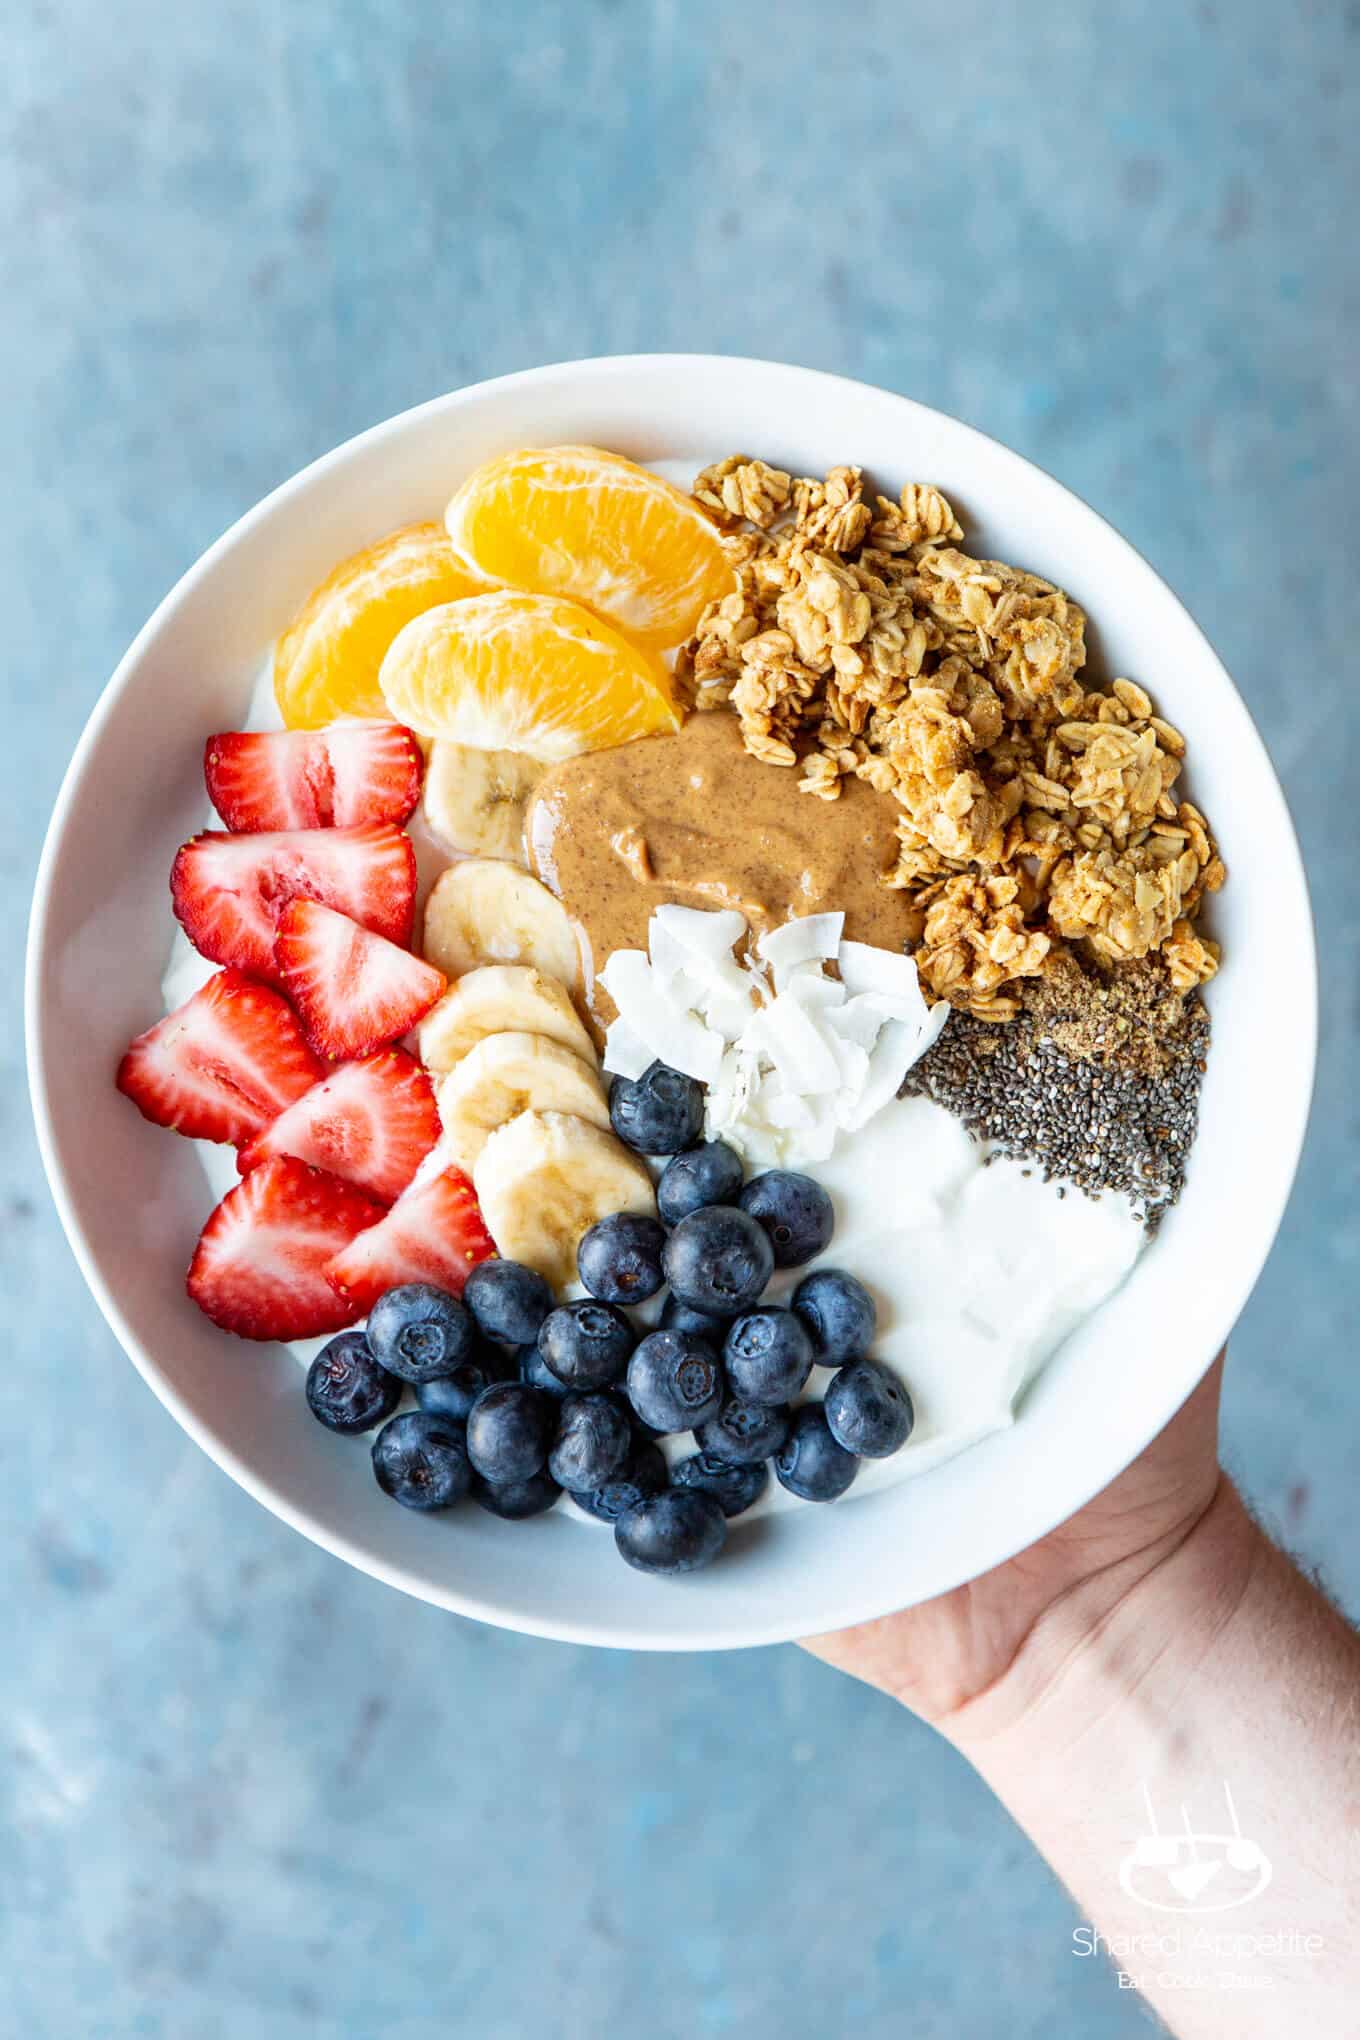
{"points": [[1038, 812]]}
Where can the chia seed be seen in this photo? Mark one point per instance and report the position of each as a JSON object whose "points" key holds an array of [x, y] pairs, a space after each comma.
{"points": [[1098, 1121]]}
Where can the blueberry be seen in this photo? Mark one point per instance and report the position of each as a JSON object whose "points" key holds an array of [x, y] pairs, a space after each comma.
{"points": [[718, 1259], [868, 1411], [768, 1355], [534, 1369], [675, 1381], [452, 1395], [347, 1391], [733, 1488], [586, 1344], [619, 1390], [510, 1430], [422, 1461], [516, 1499], [744, 1433], [594, 1439], [641, 1475], [838, 1312], [658, 1113], [418, 1331], [674, 1532], [619, 1259], [508, 1300], [708, 1174], [795, 1212], [678, 1317], [810, 1463]]}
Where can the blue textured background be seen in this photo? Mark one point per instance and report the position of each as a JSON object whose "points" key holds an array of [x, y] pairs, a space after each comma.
{"points": [[247, 1791]]}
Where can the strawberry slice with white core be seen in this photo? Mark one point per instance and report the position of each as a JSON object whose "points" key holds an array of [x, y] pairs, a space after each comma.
{"points": [[432, 1234], [354, 991], [313, 779], [258, 1269], [372, 1122], [223, 1064], [228, 891]]}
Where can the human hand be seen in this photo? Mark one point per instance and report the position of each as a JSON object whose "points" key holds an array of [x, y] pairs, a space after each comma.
{"points": [[1150, 1648], [945, 1654]]}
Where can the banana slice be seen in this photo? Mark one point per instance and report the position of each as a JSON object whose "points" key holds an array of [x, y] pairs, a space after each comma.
{"points": [[485, 911], [508, 1074], [544, 1179], [500, 998], [475, 800]]}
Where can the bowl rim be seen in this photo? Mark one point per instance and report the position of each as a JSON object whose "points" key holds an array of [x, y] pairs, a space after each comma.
{"points": [[689, 1636]]}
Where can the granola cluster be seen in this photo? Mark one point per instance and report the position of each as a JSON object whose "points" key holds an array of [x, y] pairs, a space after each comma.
{"points": [[1037, 811]]}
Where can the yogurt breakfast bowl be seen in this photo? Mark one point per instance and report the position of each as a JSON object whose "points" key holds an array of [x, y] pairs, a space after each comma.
{"points": [[1110, 1383]]}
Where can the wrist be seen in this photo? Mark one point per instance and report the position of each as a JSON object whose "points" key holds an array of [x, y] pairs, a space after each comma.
{"points": [[1139, 1714], [1122, 1646]]}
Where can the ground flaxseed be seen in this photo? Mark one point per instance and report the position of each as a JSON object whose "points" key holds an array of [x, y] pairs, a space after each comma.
{"points": [[1130, 1016]]}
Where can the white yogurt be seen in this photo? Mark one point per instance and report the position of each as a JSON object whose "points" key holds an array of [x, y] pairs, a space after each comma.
{"points": [[979, 1270]]}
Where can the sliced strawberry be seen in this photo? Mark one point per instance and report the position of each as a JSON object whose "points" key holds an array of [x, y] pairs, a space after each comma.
{"points": [[354, 991], [228, 891], [432, 1234], [313, 779], [258, 1267], [223, 1064], [372, 1122]]}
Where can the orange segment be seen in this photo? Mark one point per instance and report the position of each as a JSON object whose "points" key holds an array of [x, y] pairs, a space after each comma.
{"points": [[532, 673], [326, 663], [575, 521]]}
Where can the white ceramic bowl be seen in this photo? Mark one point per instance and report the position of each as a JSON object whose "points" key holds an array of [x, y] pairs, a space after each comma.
{"points": [[132, 1198]]}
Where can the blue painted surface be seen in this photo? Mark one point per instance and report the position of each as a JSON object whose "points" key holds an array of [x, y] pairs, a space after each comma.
{"points": [[247, 1791]]}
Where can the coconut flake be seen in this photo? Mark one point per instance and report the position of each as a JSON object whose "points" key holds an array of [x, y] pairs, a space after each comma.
{"points": [[864, 967], [669, 958], [724, 997], [858, 1020], [674, 1034], [888, 1062], [813, 992], [699, 931], [852, 1061], [814, 939], [691, 950], [792, 1057], [625, 1054], [934, 1027], [796, 1045], [730, 1093]]}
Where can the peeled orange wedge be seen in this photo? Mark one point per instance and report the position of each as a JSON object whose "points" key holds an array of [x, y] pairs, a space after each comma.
{"points": [[530, 673], [576, 521], [326, 663]]}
